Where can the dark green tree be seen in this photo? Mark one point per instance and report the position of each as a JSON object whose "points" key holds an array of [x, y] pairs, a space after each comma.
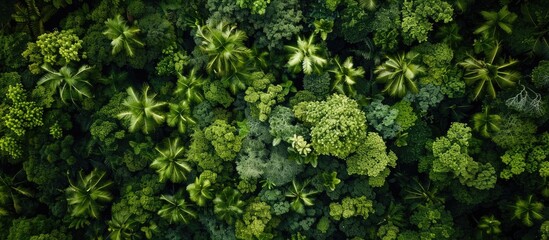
{"points": [[228, 206], [488, 72], [176, 209]]}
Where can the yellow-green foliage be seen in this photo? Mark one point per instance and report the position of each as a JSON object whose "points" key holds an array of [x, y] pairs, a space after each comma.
{"points": [[54, 49]]}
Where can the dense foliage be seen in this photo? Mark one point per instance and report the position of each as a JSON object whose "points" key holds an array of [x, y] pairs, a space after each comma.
{"points": [[274, 119]]}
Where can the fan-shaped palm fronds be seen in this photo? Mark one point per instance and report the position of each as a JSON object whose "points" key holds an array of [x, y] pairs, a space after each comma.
{"points": [[224, 45], [503, 19], [180, 116], [486, 73], [122, 36], [123, 226], [169, 164], [538, 19], [142, 112], [489, 225], [301, 197], [422, 192], [527, 210], [200, 191], [190, 87], [345, 76], [32, 18], [70, 83], [306, 56], [228, 206], [85, 197], [485, 123], [176, 209], [11, 194], [398, 74]]}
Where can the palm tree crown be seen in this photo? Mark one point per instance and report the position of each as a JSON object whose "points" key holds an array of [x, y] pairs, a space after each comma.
{"points": [[71, 84], [176, 209], [306, 56], [85, 196], [528, 211], [228, 205], [142, 112], [123, 226], [503, 19], [180, 116], [301, 197], [190, 87], [486, 124], [169, 164], [486, 72], [200, 191], [122, 36], [398, 74], [345, 76], [224, 46]]}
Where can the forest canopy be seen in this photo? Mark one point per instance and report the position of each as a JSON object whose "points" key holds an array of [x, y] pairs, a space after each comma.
{"points": [[274, 119]]}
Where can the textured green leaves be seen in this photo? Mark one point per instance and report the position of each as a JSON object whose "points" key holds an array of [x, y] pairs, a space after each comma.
{"points": [[486, 73], [123, 37], [71, 84], [170, 163], [176, 209], [306, 56], [142, 111], [86, 196], [338, 126], [224, 46], [398, 74]]}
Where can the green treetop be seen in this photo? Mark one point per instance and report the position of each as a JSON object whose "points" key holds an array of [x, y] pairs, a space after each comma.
{"points": [[338, 126], [224, 139], [451, 154], [54, 49], [371, 159]]}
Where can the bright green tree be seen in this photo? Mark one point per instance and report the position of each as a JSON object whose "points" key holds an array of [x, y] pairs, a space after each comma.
{"points": [[451, 154], [371, 159], [54, 49], [351, 207], [71, 83], [338, 126], [398, 74], [122, 36], [21, 114], [224, 138], [224, 46], [170, 163], [85, 198], [306, 56], [142, 111]]}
